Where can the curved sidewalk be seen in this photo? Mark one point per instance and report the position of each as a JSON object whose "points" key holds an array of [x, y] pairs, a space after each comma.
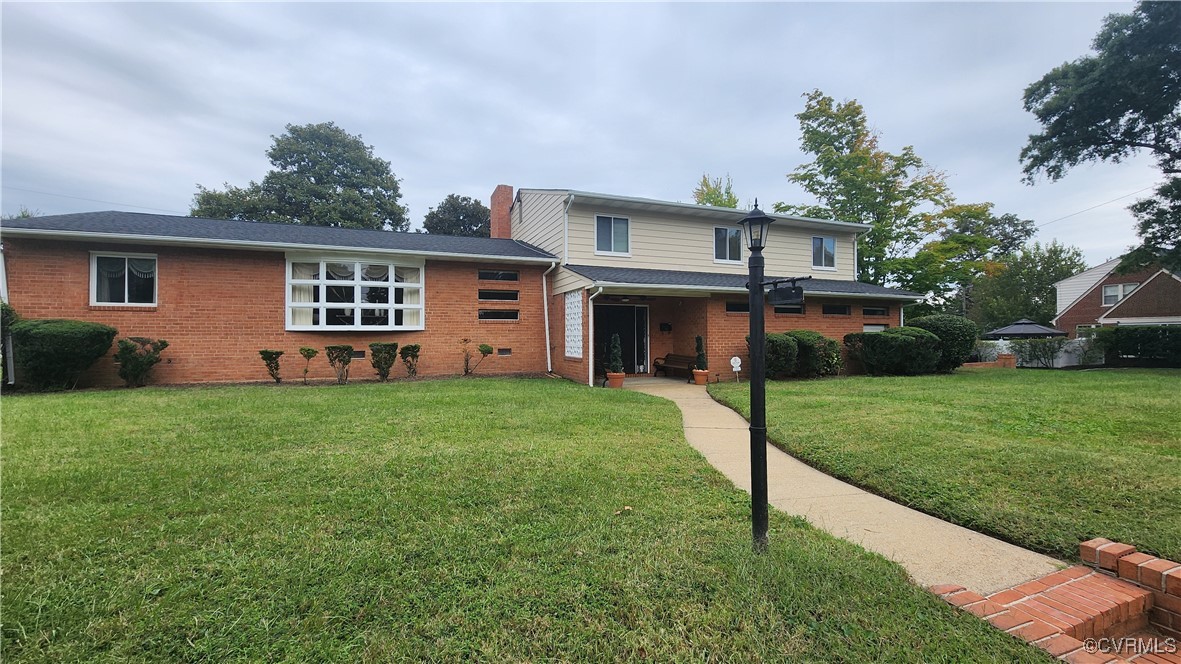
{"points": [[932, 550]]}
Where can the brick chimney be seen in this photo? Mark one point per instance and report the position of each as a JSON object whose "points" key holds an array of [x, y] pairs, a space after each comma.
{"points": [[501, 205]]}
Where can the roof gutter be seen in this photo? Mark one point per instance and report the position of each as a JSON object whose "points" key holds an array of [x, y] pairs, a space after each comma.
{"points": [[549, 360], [264, 246], [736, 289]]}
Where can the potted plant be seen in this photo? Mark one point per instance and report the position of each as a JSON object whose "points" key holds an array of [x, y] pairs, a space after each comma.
{"points": [[615, 373], [701, 366]]}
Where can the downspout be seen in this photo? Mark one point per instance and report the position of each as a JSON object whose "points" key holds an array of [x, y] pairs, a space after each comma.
{"points": [[902, 315], [590, 368], [549, 361], [7, 341], [566, 230]]}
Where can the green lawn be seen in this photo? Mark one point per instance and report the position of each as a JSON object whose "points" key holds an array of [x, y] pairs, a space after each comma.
{"points": [[1045, 459], [439, 520]]}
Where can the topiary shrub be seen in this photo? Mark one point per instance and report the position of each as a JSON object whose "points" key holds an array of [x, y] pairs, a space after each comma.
{"points": [[484, 349], [382, 355], [615, 355], [817, 354], [271, 359], [340, 357], [897, 351], [782, 351], [308, 353], [701, 362], [409, 355], [53, 353], [957, 338], [136, 357]]}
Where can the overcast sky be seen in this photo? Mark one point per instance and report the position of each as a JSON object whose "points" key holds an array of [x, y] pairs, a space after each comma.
{"points": [[130, 106]]}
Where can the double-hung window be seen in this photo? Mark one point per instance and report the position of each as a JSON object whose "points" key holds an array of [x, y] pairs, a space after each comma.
{"points": [[336, 294], [1113, 293], [728, 245], [123, 279], [824, 253], [611, 235]]}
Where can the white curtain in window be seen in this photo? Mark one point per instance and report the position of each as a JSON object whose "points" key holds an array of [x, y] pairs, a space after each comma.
{"points": [[111, 271], [303, 292], [144, 268]]}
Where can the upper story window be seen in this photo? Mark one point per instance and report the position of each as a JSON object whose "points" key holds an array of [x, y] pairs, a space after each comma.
{"points": [[612, 235], [336, 294], [824, 252], [123, 279], [1115, 292], [728, 244]]}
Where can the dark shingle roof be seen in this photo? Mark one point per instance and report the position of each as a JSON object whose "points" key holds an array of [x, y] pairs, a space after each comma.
{"points": [[1023, 329], [708, 280], [195, 230]]}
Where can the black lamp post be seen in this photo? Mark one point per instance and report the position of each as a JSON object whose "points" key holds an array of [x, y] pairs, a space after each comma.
{"points": [[756, 225]]}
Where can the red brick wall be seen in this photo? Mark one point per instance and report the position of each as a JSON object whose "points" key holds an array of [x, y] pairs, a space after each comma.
{"points": [[725, 333], [1157, 298], [217, 308], [1090, 307]]}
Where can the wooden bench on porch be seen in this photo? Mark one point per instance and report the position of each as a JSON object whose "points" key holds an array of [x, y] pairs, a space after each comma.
{"points": [[673, 362]]}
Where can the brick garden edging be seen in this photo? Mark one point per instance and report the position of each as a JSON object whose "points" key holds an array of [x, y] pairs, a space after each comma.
{"points": [[1002, 361], [1117, 593]]}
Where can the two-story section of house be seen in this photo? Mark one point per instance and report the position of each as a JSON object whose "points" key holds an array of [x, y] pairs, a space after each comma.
{"points": [[659, 274]]}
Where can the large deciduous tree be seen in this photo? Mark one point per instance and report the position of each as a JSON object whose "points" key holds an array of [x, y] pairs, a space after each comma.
{"points": [[1124, 99], [459, 215], [322, 176], [715, 192], [854, 179], [1023, 286]]}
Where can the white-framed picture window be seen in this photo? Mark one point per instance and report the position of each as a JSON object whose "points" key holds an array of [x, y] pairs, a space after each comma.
{"points": [[824, 252], [123, 279], [612, 235], [1113, 293], [727, 245], [353, 294]]}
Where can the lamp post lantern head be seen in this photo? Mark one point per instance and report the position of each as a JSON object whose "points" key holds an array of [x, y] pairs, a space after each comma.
{"points": [[755, 225]]}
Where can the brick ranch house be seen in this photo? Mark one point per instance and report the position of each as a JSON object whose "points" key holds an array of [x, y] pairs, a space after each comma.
{"points": [[562, 272]]}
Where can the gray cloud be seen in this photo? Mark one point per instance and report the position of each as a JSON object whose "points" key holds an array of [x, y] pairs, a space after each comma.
{"points": [[137, 103]]}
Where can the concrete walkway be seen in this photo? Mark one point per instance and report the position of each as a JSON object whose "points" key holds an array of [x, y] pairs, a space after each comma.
{"points": [[932, 550]]}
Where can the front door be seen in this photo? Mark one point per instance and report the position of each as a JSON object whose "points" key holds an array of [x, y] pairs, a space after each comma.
{"points": [[630, 322]]}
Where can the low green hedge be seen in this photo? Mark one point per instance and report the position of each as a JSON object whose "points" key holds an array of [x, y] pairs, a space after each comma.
{"points": [[818, 355], [897, 351], [1149, 345], [53, 353]]}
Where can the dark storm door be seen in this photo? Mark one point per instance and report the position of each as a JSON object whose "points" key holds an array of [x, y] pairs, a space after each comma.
{"points": [[630, 322]]}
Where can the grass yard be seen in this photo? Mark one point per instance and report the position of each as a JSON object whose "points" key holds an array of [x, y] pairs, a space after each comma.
{"points": [[439, 520], [1045, 459]]}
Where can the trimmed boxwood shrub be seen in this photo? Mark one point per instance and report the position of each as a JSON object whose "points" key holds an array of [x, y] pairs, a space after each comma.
{"points": [[271, 359], [340, 356], [136, 357], [818, 355], [409, 355], [957, 337], [782, 351], [898, 351], [53, 353], [382, 355]]}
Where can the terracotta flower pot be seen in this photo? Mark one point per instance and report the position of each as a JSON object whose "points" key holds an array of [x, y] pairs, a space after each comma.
{"points": [[615, 380], [700, 376]]}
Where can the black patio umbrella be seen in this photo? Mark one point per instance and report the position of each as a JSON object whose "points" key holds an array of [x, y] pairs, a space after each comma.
{"points": [[1023, 329]]}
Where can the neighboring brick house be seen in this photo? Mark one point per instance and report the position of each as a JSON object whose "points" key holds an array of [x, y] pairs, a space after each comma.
{"points": [[562, 271], [1100, 296]]}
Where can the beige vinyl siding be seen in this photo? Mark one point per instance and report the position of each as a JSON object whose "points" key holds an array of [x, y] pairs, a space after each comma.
{"points": [[565, 280], [686, 244], [538, 219]]}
